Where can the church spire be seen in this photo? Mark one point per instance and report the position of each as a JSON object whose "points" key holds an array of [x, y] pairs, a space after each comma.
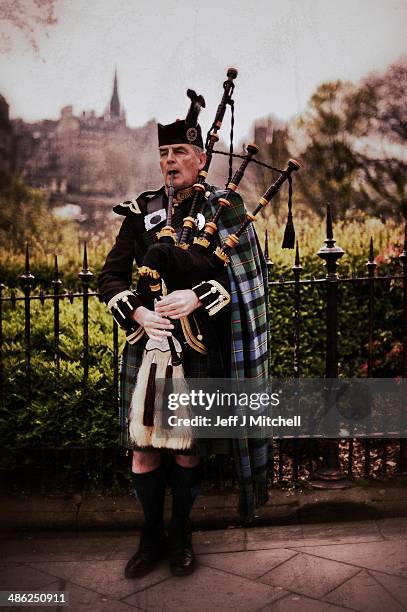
{"points": [[114, 101]]}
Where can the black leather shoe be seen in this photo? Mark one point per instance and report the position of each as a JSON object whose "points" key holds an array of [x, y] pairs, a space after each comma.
{"points": [[152, 549], [182, 558]]}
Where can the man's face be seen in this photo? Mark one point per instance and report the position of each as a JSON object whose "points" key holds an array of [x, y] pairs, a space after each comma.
{"points": [[182, 160]]}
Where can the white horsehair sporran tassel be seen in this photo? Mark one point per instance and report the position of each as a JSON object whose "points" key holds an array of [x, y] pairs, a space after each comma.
{"points": [[147, 400]]}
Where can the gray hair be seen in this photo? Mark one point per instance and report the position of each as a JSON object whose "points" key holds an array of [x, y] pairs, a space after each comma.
{"points": [[197, 150]]}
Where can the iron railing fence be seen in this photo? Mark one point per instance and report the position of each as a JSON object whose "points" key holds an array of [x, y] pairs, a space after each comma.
{"points": [[336, 459], [325, 461]]}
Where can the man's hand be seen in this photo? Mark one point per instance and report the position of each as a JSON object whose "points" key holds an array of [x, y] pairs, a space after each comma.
{"points": [[178, 304], [153, 323]]}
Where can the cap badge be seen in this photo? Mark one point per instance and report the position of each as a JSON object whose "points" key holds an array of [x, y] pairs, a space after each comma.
{"points": [[192, 133]]}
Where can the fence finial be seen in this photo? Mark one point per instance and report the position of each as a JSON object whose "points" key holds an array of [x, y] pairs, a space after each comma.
{"points": [[85, 257], [27, 278], [269, 263], [329, 230], [297, 267], [56, 280], [330, 253], [297, 254], [403, 254], [85, 274], [371, 264], [266, 246], [27, 259]]}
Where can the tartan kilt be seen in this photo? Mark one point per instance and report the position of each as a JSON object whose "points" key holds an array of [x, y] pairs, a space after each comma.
{"points": [[195, 366]]}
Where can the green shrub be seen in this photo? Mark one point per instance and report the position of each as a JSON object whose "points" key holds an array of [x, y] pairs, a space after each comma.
{"points": [[63, 409], [64, 412]]}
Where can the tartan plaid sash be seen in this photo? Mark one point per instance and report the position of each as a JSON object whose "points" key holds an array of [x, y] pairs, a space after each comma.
{"points": [[248, 280]]}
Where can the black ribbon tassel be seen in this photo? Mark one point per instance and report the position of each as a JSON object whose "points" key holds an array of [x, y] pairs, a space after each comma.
{"points": [[148, 415], [168, 387]]}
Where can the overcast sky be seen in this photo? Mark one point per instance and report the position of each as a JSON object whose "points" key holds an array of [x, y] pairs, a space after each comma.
{"points": [[282, 48]]}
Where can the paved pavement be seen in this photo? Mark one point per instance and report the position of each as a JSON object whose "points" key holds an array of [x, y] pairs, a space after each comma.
{"points": [[310, 568], [64, 512]]}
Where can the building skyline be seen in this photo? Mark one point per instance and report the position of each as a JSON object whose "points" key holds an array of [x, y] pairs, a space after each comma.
{"points": [[283, 51], [85, 159]]}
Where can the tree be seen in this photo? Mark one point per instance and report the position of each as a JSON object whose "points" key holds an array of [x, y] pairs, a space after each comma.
{"points": [[350, 141], [25, 217], [381, 156], [387, 91], [27, 16], [324, 139]]}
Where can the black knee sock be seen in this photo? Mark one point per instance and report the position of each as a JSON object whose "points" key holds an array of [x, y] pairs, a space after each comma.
{"points": [[184, 482], [150, 490]]}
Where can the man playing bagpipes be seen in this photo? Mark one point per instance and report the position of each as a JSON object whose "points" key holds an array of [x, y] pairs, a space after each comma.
{"points": [[217, 322], [184, 157]]}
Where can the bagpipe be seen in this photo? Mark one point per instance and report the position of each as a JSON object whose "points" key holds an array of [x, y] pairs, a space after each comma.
{"points": [[190, 261]]}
